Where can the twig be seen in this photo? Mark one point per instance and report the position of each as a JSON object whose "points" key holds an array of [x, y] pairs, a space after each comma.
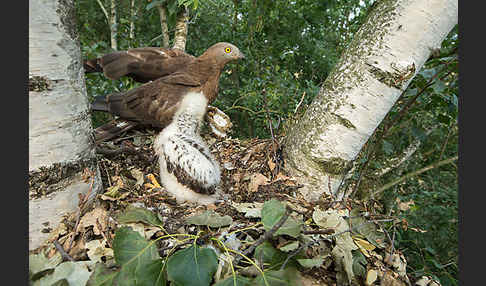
{"points": [[268, 234], [81, 205], [267, 115], [65, 256], [107, 174], [300, 102], [414, 173], [319, 231], [445, 143], [104, 10], [98, 224]]}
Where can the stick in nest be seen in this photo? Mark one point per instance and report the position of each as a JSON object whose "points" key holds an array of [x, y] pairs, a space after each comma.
{"points": [[268, 234]]}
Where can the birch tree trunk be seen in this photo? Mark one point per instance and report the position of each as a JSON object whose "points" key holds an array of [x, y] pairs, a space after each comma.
{"points": [[133, 13], [385, 54], [163, 25], [180, 34], [60, 134], [113, 25]]}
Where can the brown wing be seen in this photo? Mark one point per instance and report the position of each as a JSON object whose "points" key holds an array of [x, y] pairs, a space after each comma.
{"points": [[142, 64], [153, 103]]}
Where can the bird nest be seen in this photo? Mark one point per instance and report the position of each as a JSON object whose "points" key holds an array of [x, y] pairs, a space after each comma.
{"points": [[252, 174]]}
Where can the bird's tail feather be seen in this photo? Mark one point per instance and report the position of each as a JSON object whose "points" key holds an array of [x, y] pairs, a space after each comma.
{"points": [[92, 65], [100, 104], [112, 129]]}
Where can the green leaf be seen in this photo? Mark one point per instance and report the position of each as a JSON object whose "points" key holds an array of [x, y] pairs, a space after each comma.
{"points": [[192, 266], [75, 273], [439, 86], [268, 254], [272, 211], [309, 263], [387, 147], [135, 214], [237, 280], [359, 263], [62, 282], [285, 277], [290, 247], [152, 274], [136, 257], [172, 8], [210, 218], [39, 263], [102, 276]]}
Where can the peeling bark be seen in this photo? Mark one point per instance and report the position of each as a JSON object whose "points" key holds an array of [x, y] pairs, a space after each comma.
{"points": [[180, 35], [60, 132], [385, 54]]}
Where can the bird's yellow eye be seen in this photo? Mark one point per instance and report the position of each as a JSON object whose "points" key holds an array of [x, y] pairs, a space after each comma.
{"points": [[227, 50]]}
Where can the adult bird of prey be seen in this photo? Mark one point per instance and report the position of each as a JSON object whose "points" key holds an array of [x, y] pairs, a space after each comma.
{"points": [[142, 64], [169, 74], [177, 102]]}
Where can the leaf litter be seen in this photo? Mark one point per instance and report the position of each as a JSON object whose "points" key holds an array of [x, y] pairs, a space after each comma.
{"points": [[136, 233]]}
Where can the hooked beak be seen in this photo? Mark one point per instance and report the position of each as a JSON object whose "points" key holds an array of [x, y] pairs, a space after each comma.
{"points": [[241, 56]]}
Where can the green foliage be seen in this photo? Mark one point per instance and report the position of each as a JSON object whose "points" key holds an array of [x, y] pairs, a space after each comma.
{"points": [[236, 280], [136, 214], [139, 261], [272, 211], [199, 265], [290, 48]]}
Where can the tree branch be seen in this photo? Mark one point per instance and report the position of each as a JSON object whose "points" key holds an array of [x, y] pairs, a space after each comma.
{"points": [[415, 173], [104, 11], [268, 234]]}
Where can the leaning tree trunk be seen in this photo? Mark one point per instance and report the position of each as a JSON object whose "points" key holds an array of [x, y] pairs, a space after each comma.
{"points": [[61, 149], [385, 54], [180, 34]]}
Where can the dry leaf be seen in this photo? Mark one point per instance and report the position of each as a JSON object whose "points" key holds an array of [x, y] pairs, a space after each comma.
{"points": [[271, 164], [364, 246], [89, 219], [97, 248], [138, 175], [371, 277], [417, 229], [257, 180], [404, 206]]}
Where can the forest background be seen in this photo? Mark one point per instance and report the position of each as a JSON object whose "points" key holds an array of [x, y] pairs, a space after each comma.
{"points": [[290, 48]]}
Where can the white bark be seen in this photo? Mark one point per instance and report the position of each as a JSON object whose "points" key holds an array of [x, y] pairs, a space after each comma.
{"points": [[385, 54], [59, 122], [133, 13], [113, 25], [180, 35]]}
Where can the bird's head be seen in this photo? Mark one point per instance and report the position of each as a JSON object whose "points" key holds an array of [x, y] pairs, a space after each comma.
{"points": [[224, 52]]}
